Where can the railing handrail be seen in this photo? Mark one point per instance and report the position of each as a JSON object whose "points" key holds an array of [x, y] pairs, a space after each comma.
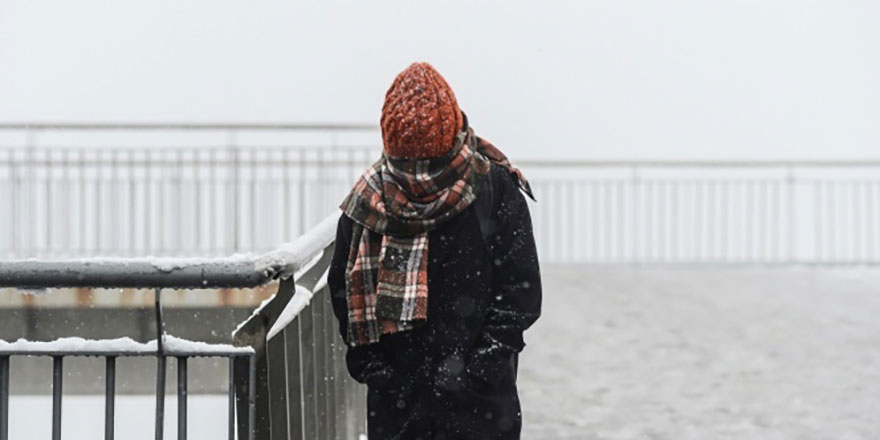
{"points": [[125, 346], [864, 162], [194, 273], [306, 258], [691, 163], [184, 126]]}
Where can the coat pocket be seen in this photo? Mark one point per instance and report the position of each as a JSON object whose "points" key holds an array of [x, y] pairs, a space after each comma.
{"points": [[486, 368]]}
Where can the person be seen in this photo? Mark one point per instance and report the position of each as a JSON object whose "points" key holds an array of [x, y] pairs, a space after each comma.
{"points": [[435, 274]]}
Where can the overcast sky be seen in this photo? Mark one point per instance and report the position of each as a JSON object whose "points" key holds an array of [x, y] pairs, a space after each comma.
{"points": [[585, 79]]}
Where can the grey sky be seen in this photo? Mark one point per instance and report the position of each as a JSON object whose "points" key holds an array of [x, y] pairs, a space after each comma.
{"points": [[586, 79]]}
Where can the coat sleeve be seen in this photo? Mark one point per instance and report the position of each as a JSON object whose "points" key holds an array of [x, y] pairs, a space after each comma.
{"points": [[366, 363], [515, 303]]}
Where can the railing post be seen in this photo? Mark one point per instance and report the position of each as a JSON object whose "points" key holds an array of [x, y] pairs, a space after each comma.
{"points": [[252, 397], [869, 222], [725, 223], [790, 184], [234, 160], [110, 398], [329, 329], [231, 392], [817, 221], [14, 210], [57, 380], [160, 368], [31, 189], [160, 397], [302, 192], [4, 397], [831, 244], [293, 339], [181, 398], [635, 178], [309, 384], [279, 412]]}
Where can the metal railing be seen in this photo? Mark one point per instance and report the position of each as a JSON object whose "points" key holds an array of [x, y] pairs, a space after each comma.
{"points": [[109, 350], [305, 391], [236, 194], [777, 212], [301, 267], [152, 189]]}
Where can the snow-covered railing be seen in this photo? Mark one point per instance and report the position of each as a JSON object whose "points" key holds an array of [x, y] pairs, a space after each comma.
{"points": [[324, 388], [163, 347], [303, 389], [241, 270]]}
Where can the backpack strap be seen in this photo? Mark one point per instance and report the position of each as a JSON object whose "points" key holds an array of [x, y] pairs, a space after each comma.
{"points": [[486, 212]]}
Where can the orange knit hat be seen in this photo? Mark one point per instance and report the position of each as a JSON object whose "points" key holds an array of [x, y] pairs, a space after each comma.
{"points": [[420, 117]]}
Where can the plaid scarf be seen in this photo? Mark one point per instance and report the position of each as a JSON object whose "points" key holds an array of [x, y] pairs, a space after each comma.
{"points": [[394, 205]]}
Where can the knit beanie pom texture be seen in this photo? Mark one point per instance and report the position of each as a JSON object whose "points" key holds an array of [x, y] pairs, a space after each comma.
{"points": [[420, 117]]}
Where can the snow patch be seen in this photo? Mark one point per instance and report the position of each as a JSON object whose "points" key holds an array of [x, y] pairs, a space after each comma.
{"points": [[163, 264], [34, 292], [301, 299], [297, 275], [127, 345], [290, 257]]}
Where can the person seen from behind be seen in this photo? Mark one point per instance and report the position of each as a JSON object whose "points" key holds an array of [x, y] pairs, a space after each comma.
{"points": [[435, 275]]}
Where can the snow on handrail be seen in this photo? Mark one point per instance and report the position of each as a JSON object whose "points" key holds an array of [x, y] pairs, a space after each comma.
{"points": [[286, 260], [76, 346], [301, 299], [242, 270]]}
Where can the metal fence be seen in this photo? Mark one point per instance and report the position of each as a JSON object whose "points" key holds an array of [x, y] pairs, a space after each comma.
{"points": [[318, 396], [213, 196], [243, 196], [822, 212], [110, 351]]}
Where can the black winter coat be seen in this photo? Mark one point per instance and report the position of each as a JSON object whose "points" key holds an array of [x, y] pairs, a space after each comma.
{"points": [[455, 376]]}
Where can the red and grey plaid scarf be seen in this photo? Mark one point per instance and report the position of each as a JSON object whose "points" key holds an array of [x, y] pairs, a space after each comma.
{"points": [[394, 205]]}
